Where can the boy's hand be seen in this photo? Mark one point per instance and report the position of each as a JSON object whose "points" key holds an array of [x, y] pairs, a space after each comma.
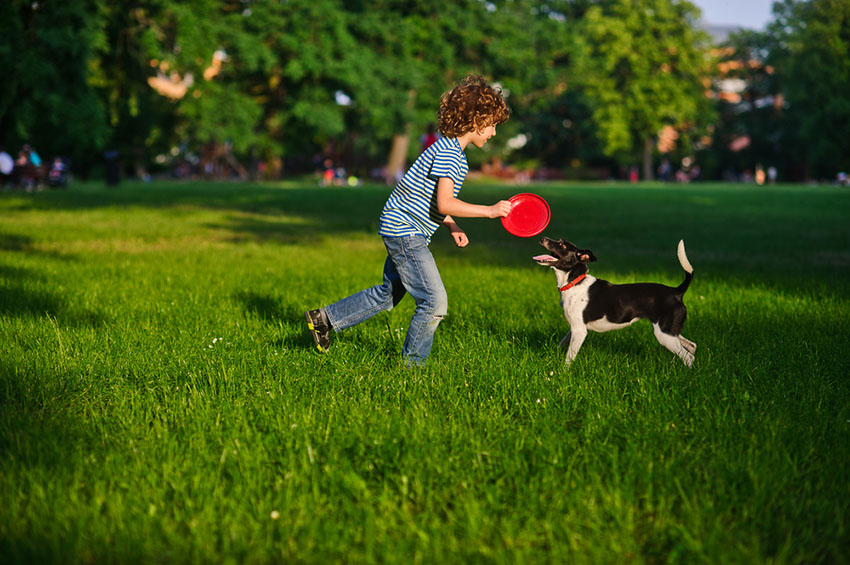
{"points": [[460, 238], [500, 209], [457, 234]]}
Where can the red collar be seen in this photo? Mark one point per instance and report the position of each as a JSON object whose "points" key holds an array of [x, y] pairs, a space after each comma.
{"points": [[572, 284]]}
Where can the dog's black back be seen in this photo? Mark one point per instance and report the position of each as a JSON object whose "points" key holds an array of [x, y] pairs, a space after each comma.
{"points": [[622, 303]]}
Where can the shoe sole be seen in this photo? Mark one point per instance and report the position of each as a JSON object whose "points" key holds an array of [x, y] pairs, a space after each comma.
{"points": [[314, 333]]}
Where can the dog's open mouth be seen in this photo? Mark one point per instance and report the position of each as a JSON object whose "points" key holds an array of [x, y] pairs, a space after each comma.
{"points": [[545, 259]]}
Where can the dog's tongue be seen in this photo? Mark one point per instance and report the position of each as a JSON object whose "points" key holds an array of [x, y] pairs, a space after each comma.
{"points": [[544, 258]]}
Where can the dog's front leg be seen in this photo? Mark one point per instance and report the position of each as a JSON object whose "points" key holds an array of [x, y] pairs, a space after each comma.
{"points": [[565, 342], [577, 336]]}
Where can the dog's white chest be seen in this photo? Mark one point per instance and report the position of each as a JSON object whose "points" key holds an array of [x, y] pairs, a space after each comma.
{"points": [[574, 302]]}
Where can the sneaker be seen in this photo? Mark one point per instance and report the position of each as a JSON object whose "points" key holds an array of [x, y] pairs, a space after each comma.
{"points": [[320, 329]]}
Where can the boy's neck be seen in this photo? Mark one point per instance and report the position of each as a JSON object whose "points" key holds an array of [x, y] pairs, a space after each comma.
{"points": [[465, 139]]}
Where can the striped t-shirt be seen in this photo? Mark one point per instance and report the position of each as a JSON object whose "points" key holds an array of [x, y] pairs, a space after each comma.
{"points": [[411, 208]]}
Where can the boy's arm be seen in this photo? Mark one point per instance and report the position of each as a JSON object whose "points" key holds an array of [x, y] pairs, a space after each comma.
{"points": [[457, 233], [450, 206]]}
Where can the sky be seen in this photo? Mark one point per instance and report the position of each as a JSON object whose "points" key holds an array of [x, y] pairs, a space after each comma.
{"points": [[752, 14]]}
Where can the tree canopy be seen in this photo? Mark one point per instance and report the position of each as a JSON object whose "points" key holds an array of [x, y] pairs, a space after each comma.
{"points": [[812, 55], [643, 66], [589, 81]]}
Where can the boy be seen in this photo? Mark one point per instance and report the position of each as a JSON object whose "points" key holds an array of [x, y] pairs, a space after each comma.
{"points": [[424, 198]]}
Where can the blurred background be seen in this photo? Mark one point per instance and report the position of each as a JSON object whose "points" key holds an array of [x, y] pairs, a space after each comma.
{"points": [[344, 92]]}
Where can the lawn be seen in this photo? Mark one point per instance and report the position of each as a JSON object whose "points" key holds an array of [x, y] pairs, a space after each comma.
{"points": [[161, 401]]}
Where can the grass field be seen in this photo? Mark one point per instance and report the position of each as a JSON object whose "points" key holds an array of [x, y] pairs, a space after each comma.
{"points": [[160, 400]]}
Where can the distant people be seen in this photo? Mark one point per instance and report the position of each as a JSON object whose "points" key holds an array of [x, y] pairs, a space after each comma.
{"points": [[33, 156], [772, 173], [665, 170], [633, 174], [57, 176], [113, 169], [329, 173], [759, 175], [695, 173], [429, 137], [23, 157], [28, 168], [7, 165]]}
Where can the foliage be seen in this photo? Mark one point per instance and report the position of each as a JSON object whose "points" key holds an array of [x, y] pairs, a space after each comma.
{"points": [[813, 57], [45, 51], [642, 69], [753, 110], [589, 82]]}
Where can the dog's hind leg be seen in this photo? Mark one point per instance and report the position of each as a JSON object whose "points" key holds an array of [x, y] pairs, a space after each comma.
{"points": [[673, 343], [688, 344]]}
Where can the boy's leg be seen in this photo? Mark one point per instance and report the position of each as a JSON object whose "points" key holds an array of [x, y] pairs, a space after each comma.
{"points": [[363, 305], [320, 328], [419, 274]]}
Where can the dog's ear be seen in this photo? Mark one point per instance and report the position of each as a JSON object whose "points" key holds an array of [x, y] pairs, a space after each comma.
{"points": [[586, 256]]}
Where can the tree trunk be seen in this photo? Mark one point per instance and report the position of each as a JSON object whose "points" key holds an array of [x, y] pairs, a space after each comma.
{"points": [[398, 156], [647, 159], [397, 162]]}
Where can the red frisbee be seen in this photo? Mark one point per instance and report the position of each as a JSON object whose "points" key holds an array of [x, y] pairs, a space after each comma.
{"points": [[529, 215]]}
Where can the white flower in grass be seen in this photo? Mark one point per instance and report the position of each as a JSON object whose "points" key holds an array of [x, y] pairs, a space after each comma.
{"points": [[214, 341], [274, 515]]}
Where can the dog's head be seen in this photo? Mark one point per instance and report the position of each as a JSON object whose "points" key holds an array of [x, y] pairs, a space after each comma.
{"points": [[565, 255]]}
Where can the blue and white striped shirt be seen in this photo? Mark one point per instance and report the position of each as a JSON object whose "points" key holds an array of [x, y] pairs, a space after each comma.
{"points": [[411, 208]]}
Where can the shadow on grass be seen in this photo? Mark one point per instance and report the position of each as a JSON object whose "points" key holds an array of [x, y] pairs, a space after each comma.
{"points": [[272, 311], [34, 429], [728, 230], [290, 319], [267, 229], [18, 301], [265, 307], [17, 243], [40, 437]]}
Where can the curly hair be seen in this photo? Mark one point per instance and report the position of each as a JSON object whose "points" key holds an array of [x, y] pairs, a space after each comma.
{"points": [[471, 106]]}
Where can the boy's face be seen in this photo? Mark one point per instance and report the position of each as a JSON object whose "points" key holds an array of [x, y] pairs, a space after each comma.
{"points": [[479, 138]]}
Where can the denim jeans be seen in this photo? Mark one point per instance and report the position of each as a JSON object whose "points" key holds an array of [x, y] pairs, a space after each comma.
{"points": [[410, 268]]}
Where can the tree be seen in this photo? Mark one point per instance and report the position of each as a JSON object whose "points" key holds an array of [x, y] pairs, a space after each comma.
{"points": [[530, 49], [750, 124], [642, 65], [813, 60], [46, 99]]}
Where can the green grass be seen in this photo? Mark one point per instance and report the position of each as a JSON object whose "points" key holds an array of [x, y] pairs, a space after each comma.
{"points": [[160, 400]]}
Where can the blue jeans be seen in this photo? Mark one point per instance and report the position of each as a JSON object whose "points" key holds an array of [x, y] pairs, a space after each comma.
{"points": [[410, 268]]}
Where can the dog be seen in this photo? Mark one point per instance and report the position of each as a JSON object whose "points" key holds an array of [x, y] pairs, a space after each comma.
{"points": [[595, 304]]}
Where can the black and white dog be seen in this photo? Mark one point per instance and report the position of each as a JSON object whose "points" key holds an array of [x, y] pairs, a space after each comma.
{"points": [[596, 304]]}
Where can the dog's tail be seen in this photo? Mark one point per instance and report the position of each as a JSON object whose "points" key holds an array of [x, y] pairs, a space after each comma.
{"points": [[686, 265]]}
